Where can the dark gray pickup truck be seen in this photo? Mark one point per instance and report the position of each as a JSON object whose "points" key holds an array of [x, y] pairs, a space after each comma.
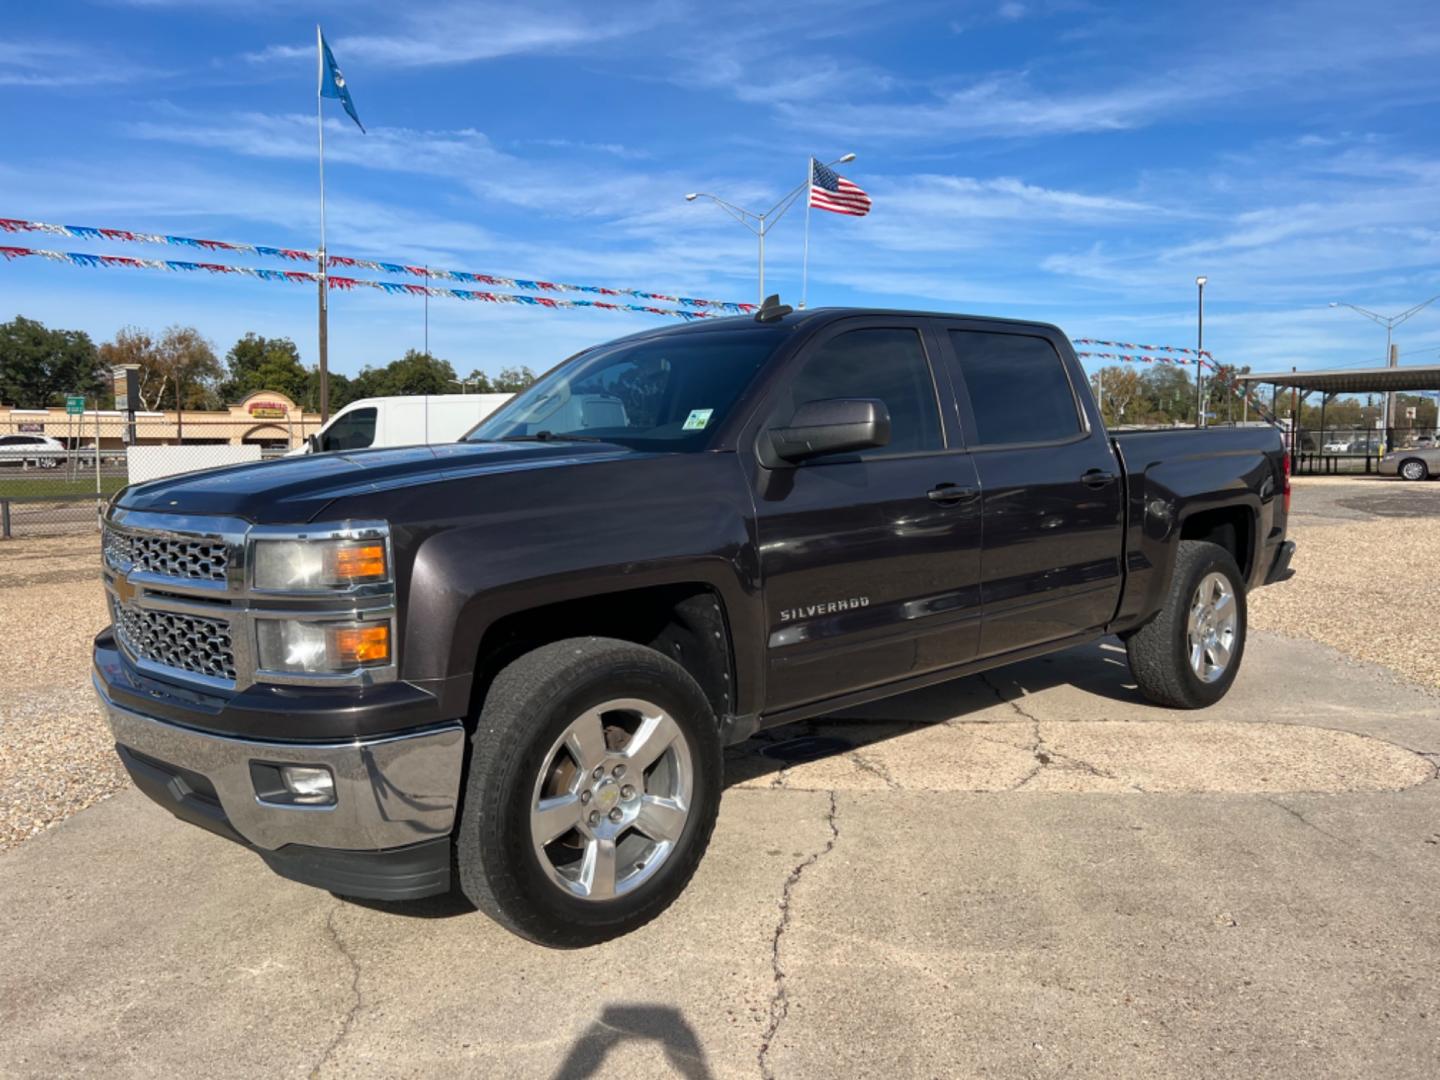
{"points": [[509, 665]]}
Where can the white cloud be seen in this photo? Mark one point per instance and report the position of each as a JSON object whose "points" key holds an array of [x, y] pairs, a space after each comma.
{"points": [[50, 65], [460, 33]]}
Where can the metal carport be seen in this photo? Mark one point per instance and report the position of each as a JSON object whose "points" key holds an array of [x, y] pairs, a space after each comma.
{"points": [[1377, 380]]}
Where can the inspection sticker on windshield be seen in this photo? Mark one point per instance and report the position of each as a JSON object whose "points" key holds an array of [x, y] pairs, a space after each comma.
{"points": [[697, 419]]}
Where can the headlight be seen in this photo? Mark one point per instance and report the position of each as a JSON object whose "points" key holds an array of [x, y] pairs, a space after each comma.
{"points": [[318, 565], [322, 647]]}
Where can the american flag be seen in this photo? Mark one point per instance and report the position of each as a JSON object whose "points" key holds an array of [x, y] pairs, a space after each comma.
{"points": [[831, 191]]}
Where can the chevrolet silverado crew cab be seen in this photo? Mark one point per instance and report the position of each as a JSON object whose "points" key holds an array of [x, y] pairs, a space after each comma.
{"points": [[512, 662]]}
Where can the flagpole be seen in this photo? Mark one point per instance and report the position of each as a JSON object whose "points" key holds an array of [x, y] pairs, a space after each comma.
{"points": [[805, 258], [323, 275]]}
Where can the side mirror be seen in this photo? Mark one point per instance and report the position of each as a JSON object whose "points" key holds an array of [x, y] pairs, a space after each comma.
{"points": [[832, 426], [312, 444]]}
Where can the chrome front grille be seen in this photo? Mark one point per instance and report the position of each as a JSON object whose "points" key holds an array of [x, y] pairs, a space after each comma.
{"points": [[183, 607], [186, 642], [172, 556]]}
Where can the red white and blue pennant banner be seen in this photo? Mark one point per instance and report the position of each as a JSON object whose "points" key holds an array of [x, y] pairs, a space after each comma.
{"points": [[87, 232], [1139, 348], [343, 284]]}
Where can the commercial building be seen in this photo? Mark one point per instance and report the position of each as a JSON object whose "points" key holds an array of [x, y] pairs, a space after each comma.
{"points": [[265, 418]]}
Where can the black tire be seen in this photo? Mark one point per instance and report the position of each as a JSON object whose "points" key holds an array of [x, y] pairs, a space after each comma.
{"points": [[1418, 472], [1159, 652], [530, 704]]}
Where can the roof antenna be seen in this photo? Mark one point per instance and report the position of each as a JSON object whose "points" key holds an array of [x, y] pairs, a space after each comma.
{"points": [[772, 310]]}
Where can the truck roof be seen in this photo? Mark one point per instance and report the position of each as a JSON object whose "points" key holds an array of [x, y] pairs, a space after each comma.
{"points": [[817, 317]]}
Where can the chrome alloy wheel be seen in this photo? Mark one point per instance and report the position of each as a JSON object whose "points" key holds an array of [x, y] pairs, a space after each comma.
{"points": [[612, 799], [1211, 626], [1413, 470]]}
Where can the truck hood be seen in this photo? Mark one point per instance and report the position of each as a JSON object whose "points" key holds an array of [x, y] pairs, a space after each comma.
{"points": [[295, 490]]}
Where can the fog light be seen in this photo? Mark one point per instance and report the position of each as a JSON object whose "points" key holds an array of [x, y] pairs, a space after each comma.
{"points": [[310, 785]]}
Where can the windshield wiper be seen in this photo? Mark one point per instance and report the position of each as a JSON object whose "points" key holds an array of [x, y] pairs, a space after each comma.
{"points": [[550, 436]]}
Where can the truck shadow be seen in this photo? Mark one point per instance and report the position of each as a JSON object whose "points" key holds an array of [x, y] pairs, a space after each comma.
{"points": [[1099, 668], [618, 1024]]}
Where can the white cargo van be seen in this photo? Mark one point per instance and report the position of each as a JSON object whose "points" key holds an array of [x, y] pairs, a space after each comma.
{"points": [[402, 421]]}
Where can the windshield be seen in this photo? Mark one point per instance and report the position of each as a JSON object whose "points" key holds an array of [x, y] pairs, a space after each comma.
{"points": [[667, 393]]}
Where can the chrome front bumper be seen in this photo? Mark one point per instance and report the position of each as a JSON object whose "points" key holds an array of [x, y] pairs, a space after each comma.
{"points": [[390, 792]]}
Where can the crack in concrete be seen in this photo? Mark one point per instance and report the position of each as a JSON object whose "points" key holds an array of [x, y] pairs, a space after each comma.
{"points": [[1298, 816], [1044, 755], [780, 999], [874, 768], [349, 1022]]}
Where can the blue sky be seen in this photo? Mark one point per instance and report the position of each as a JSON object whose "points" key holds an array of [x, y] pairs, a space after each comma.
{"points": [[1069, 161]]}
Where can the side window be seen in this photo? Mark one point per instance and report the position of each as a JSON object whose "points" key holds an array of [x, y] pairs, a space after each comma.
{"points": [[888, 364], [353, 431], [1018, 388]]}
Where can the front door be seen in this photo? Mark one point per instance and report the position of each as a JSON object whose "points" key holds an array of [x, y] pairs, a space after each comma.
{"points": [[870, 561]]}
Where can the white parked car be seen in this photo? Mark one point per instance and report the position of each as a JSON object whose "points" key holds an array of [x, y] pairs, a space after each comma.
{"points": [[1340, 446], [31, 451], [402, 421]]}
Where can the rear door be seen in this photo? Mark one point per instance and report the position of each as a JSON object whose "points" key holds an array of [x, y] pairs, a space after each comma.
{"points": [[870, 561], [1051, 485]]}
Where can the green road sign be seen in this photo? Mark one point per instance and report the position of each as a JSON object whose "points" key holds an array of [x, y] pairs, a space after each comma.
{"points": [[74, 405]]}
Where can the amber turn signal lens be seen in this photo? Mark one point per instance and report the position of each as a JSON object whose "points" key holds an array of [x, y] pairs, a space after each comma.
{"points": [[359, 562], [355, 646]]}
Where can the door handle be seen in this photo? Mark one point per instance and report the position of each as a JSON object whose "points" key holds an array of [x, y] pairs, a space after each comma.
{"points": [[950, 494], [1097, 478]]}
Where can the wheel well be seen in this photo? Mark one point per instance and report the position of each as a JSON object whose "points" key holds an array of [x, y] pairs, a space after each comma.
{"points": [[1230, 527], [684, 622]]}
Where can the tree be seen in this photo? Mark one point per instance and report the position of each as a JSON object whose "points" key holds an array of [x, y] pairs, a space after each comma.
{"points": [[342, 390], [259, 363], [193, 368], [1168, 395], [477, 382], [38, 366], [178, 371], [1120, 388], [133, 346], [414, 373]]}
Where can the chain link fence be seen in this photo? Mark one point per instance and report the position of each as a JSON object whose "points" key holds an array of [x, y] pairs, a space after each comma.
{"points": [[58, 479]]}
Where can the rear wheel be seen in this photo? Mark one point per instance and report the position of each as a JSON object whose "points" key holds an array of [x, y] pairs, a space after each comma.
{"points": [[1414, 469], [593, 788], [1188, 655]]}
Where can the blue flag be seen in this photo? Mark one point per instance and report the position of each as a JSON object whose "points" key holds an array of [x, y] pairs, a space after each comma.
{"points": [[332, 80]]}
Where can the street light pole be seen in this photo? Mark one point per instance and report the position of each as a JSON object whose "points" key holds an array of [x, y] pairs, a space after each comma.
{"points": [[761, 224], [1391, 360], [1199, 350]]}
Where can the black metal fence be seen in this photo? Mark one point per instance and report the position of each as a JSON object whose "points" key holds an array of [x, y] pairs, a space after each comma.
{"points": [[1335, 451]]}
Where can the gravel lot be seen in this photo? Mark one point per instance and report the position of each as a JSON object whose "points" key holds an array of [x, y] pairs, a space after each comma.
{"points": [[1367, 584], [56, 756], [1367, 573]]}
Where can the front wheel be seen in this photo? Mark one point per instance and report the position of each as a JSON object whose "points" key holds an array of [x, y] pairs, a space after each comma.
{"points": [[593, 787], [1414, 469], [1188, 655]]}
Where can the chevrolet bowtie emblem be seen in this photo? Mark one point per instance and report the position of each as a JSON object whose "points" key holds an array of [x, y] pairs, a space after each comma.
{"points": [[124, 591]]}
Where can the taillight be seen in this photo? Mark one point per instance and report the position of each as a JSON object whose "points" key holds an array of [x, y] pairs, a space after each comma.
{"points": [[1286, 489]]}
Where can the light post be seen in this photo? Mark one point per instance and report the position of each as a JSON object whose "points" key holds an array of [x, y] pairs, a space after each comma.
{"points": [[1389, 322], [1199, 350], [761, 224]]}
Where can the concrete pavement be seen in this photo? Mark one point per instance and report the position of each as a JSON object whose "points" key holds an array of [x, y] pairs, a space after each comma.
{"points": [[1028, 874]]}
